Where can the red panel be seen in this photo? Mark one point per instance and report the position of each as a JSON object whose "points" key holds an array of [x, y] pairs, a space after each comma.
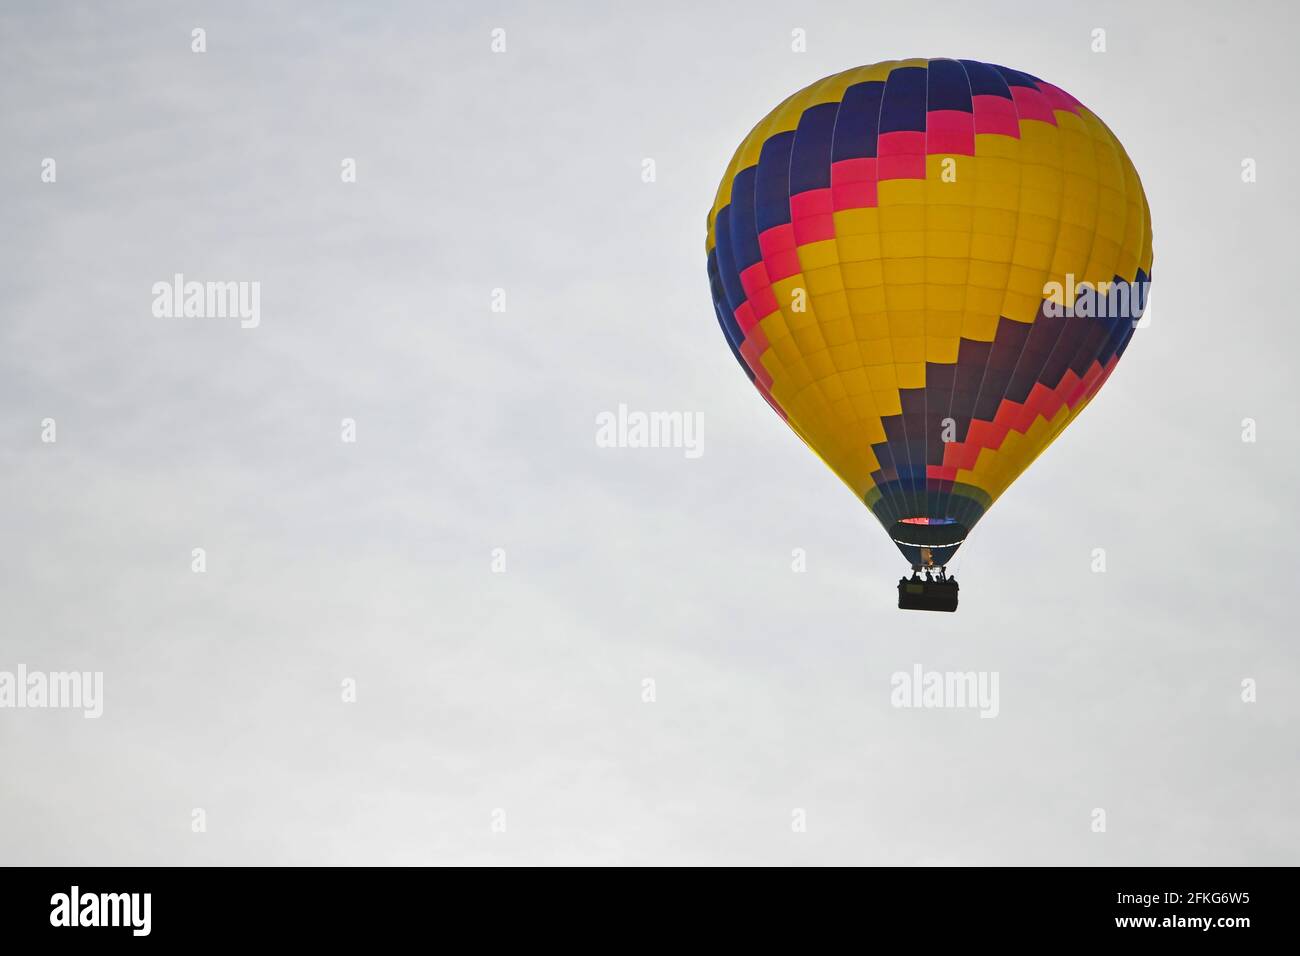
{"points": [[901, 155], [811, 212], [775, 240], [902, 167], [855, 196], [754, 279], [994, 114], [814, 229], [778, 247], [783, 265], [853, 171], [1040, 401], [752, 349], [853, 184], [952, 144], [758, 291], [950, 131], [1032, 105], [900, 143], [745, 317], [1058, 99]]}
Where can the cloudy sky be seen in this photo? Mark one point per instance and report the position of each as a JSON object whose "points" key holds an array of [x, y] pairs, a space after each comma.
{"points": [[485, 696]]}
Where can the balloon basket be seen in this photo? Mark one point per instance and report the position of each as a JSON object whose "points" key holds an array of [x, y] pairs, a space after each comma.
{"points": [[927, 595]]}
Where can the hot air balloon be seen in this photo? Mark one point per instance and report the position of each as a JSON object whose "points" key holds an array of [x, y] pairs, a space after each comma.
{"points": [[928, 268]]}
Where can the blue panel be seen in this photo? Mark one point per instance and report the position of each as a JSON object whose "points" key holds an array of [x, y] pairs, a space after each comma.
{"points": [[726, 317], [772, 185], [858, 123], [1141, 279], [985, 80], [1121, 323], [744, 228], [1016, 78], [731, 286], [903, 109], [810, 161], [949, 88]]}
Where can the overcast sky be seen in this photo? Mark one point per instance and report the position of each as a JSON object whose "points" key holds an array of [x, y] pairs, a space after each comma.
{"points": [[522, 691]]}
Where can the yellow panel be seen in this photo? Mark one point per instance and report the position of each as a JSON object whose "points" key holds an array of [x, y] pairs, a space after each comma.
{"points": [[856, 382], [882, 377], [1020, 308], [985, 274], [941, 297], [774, 327], [864, 248], [979, 327], [942, 350], [903, 272], [948, 245], [903, 219], [862, 275], [839, 332], [833, 389], [900, 192], [867, 300], [905, 298], [910, 349], [983, 300], [818, 255], [873, 338], [912, 374], [833, 307], [856, 222], [901, 245], [945, 215], [820, 364], [943, 325], [948, 271], [994, 249], [821, 281]]}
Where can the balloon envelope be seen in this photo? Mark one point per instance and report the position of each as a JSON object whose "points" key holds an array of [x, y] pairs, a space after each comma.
{"points": [[928, 268]]}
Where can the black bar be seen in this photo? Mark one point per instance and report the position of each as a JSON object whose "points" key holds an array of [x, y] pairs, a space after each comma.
{"points": [[1161, 906]]}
